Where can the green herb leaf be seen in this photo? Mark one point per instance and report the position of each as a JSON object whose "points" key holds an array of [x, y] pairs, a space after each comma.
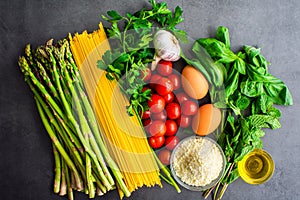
{"points": [[264, 121], [233, 176], [278, 91], [252, 88], [240, 65], [241, 152], [232, 82], [242, 102], [223, 36], [217, 50], [115, 16], [176, 19]]}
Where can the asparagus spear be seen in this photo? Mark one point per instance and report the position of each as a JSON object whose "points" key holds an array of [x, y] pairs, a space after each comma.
{"points": [[57, 170]]}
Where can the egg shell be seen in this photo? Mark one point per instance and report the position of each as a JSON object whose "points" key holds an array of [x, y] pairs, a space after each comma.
{"points": [[193, 82], [207, 120]]}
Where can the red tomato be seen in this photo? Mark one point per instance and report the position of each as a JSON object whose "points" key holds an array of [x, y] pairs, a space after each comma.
{"points": [[164, 86], [154, 80], [173, 110], [169, 97], [171, 142], [181, 97], [175, 79], [171, 127], [146, 74], [146, 124], [184, 121], [157, 128], [159, 116], [156, 103], [156, 141], [164, 67], [189, 107], [164, 156], [146, 114]]}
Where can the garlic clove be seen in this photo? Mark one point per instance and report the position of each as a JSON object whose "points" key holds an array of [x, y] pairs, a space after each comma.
{"points": [[166, 47]]}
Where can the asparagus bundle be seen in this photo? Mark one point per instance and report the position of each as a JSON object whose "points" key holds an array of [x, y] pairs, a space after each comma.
{"points": [[79, 152]]}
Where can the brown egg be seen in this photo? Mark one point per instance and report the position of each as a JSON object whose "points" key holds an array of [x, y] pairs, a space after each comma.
{"points": [[193, 82], [206, 120]]}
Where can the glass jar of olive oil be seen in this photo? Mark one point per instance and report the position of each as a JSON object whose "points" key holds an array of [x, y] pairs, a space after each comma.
{"points": [[257, 167]]}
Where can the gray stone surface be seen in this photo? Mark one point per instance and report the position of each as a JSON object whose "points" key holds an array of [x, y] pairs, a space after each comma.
{"points": [[25, 149]]}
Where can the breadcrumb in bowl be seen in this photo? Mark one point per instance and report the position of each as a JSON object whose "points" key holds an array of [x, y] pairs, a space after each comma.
{"points": [[197, 163]]}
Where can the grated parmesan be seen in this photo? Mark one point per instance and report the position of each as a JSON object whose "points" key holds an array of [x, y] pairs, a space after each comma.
{"points": [[197, 162]]}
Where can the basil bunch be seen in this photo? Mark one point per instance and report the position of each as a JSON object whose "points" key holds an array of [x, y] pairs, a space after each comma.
{"points": [[250, 95]]}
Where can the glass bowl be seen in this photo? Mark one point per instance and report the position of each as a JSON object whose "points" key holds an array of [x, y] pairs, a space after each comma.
{"points": [[202, 187], [257, 167]]}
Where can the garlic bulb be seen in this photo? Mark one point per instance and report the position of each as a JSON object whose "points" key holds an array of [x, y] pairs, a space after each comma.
{"points": [[166, 47]]}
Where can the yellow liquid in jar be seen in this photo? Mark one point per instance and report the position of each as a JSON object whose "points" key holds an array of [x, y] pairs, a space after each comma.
{"points": [[257, 167]]}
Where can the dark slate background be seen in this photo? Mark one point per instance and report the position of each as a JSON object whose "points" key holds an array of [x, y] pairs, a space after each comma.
{"points": [[26, 162]]}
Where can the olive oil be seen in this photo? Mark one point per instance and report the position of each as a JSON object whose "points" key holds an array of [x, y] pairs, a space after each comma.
{"points": [[257, 167]]}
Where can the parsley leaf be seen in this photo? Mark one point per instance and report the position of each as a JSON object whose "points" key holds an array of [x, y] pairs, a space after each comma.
{"points": [[131, 48]]}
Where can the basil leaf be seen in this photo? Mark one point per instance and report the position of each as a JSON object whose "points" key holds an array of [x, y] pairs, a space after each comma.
{"points": [[278, 91], [217, 50], [242, 151], [263, 121], [223, 36], [240, 66], [215, 73], [255, 58], [242, 102], [232, 82], [252, 88]]}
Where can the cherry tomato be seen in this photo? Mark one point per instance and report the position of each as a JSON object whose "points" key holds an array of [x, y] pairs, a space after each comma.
{"points": [[159, 116], [146, 124], [169, 97], [164, 86], [181, 97], [164, 67], [156, 141], [173, 110], [164, 156], [154, 80], [184, 121], [157, 128], [189, 107], [171, 142], [171, 127], [146, 114], [175, 79], [156, 103], [146, 74]]}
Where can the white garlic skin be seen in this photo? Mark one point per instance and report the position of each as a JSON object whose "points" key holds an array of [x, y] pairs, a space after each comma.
{"points": [[166, 47]]}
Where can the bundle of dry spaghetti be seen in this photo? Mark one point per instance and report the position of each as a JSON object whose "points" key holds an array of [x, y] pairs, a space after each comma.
{"points": [[123, 136]]}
